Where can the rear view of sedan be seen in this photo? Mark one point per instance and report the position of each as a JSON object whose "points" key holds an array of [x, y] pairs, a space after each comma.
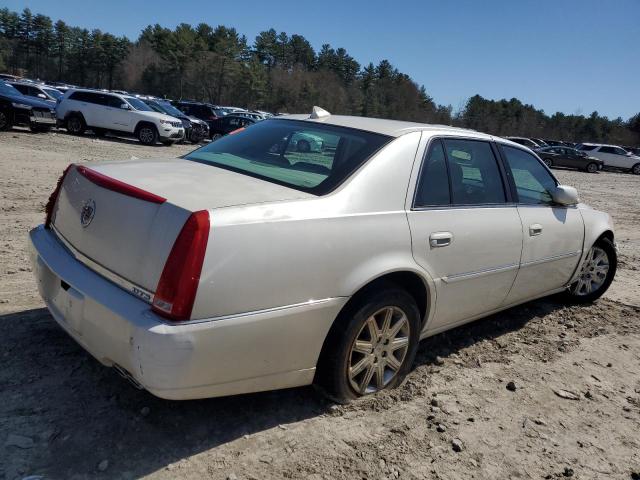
{"points": [[569, 158], [251, 264]]}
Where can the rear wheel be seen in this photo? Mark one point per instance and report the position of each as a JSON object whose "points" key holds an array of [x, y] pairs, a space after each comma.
{"points": [[592, 168], [75, 124], [547, 162], [636, 169], [5, 120], [596, 273], [371, 347], [147, 134]]}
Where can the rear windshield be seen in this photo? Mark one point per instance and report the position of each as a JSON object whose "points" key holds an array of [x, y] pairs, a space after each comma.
{"points": [[307, 156]]}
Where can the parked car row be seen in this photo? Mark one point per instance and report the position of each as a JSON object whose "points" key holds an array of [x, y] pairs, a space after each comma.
{"points": [[590, 157], [150, 119]]}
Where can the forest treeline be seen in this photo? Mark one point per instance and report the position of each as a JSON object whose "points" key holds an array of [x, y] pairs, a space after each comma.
{"points": [[276, 72]]}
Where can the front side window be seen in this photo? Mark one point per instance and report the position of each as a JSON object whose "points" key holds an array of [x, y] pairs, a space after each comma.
{"points": [[586, 148], [474, 172], [607, 150], [534, 183], [266, 151]]}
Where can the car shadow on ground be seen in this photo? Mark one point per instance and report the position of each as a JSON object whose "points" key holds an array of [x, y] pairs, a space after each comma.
{"points": [[80, 413]]}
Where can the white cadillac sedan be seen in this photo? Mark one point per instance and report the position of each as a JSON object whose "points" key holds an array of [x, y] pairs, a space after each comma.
{"points": [[251, 264]]}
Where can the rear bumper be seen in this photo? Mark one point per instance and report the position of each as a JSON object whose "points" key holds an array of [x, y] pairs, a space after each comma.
{"points": [[265, 350]]}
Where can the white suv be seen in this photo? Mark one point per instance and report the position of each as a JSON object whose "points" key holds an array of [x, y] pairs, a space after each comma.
{"points": [[613, 156], [104, 111]]}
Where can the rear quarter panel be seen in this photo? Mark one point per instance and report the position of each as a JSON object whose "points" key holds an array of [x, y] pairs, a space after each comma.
{"points": [[284, 253]]}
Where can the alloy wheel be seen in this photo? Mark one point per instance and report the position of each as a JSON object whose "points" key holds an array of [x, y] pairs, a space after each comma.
{"points": [[73, 125], [378, 350], [636, 169], [592, 168], [3, 120], [146, 135], [593, 272]]}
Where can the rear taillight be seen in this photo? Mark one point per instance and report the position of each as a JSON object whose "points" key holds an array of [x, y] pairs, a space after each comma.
{"points": [[178, 283], [51, 203]]}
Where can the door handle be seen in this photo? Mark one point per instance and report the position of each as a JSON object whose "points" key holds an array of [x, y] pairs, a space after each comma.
{"points": [[440, 239], [535, 229]]}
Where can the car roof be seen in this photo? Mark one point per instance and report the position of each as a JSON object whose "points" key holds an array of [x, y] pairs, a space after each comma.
{"points": [[392, 128]]}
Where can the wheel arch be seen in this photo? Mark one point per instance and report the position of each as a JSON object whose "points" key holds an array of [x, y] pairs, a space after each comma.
{"points": [[413, 282], [142, 123]]}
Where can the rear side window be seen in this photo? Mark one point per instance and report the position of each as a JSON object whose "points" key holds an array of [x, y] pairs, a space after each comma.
{"points": [[473, 169], [89, 97], [433, 184], [270, 150], [534, 183]]}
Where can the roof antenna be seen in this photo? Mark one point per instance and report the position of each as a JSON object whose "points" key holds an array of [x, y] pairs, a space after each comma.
{"points": [[318, 112]]}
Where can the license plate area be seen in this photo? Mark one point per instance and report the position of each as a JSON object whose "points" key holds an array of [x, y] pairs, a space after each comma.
{"points": [[69, 305]]}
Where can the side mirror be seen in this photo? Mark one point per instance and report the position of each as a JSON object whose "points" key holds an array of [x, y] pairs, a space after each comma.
{"points": [[42, 95], [565, 195]]}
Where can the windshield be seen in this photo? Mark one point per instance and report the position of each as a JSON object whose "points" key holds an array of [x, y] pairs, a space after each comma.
{"points": [[52, 92], [8, 89], [169, 109], [307, 156], [138, 104]]}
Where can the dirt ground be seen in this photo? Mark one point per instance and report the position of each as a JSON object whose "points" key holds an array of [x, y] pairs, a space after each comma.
{"points": [[64, 416]]}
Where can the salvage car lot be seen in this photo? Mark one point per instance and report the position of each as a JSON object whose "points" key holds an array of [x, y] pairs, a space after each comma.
{"points": [[56, 399]]}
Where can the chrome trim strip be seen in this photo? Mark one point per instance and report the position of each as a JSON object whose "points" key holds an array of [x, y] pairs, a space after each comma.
{"points": [[551, 259], [132, 288], [480, 273], [308, 303]]}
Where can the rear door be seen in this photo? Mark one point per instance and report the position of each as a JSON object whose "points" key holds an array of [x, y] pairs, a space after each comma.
{"points": [[552, 235], [465, 231]]}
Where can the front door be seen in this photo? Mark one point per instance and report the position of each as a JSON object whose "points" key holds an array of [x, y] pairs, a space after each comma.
{"points": [[464, 231], [553, 235]]}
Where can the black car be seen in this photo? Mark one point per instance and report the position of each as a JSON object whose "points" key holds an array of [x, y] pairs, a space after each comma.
{"points": [[203, 111], [18, 109], [228, 124], [569, 157], [42, 92], [194, 131]]}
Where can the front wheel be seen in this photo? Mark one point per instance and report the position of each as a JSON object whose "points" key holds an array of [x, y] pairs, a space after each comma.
{"points": [[76, 125], [592, 168], [547, 162], [148, 135], [371, 347], [215, 137], [636, 169], [5, 120], [596, 273]]}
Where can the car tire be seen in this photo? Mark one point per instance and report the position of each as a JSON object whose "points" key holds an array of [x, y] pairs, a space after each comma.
{"points": [[596, 273], [147, 134], [547, 162], [215, 137], [5, 120], [355, 360], [592, 168], [303, 146], [75, 124], [636, 169]]}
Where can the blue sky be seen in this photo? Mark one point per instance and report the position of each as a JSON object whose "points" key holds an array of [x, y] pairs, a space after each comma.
{"points": [[573, 56]]}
